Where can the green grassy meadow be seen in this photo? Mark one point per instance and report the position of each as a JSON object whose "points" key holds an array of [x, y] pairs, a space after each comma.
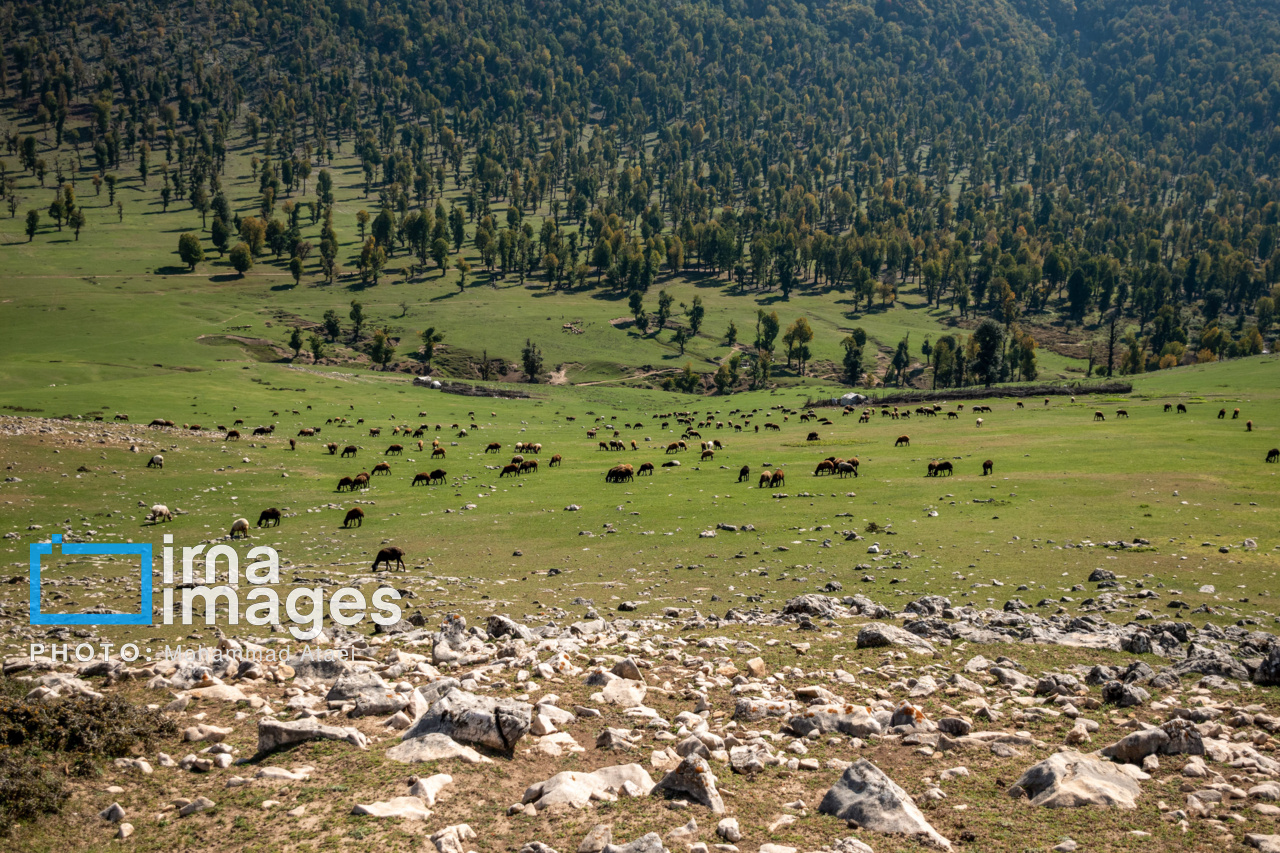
{"points": [[1186, 483]]}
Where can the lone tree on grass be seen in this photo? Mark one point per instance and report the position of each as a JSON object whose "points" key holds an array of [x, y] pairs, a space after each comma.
{"points": [[681, 338], [383, 350], [33, 224], [316, 344], [357, 317], [430, 337], [77, 221], [241, 258], [295, 341], [190, 250], [531, 358], [332, 325]]}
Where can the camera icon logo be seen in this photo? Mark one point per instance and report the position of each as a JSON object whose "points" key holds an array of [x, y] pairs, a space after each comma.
{"points": [[142, 551]]}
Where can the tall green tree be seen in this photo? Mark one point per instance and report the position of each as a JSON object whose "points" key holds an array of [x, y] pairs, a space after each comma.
{"points": [[989, 338], [430, 338], [190, 250]]}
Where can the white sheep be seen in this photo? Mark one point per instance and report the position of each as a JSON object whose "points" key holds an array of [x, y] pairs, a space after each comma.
{"points": [[241, 526], [979, 421], [156, 461], [160, 512]]}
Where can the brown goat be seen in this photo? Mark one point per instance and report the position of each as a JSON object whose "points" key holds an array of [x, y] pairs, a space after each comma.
{"points": [[355, 514], [387, 555]]}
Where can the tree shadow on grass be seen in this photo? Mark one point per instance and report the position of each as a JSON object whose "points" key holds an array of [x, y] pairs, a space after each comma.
{"points": [[172, 269]]}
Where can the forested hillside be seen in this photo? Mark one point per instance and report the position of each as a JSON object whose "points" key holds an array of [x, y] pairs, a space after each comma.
{"points": [[1103, 171]]}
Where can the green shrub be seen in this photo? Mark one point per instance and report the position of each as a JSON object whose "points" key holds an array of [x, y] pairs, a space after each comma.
{"points": [[103, 728], [29, 787], [32, 733]]}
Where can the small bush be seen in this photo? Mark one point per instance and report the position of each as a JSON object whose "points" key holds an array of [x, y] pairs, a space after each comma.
{"points": [[29, 787], [103, 728], [32, 732]]}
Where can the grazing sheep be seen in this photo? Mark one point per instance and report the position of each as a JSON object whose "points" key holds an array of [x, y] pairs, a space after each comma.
{"points": [[988, 467], [953, 416], [779, 478], [349, 450], [346, 483], [397, 449], [1020, 406], [293, 444], [943, 468], [1273, 455], [844, 469], [386, 555], [529, 465], [708, 454], [438, 453], [420, 478], [517, 459], [513, 469], [266, 430], [979, 422], [744, 473], [374, 432], [826, 466], [419, 445], [381, 468], [619, 474], [535, 449], [555, 461], [1098, 416], [813, 436], [1122, 413], [673, 447], [1235, 415], [355, 514], [269, 518], [160, 512], [232, 435], [1168, 407], [493, 447], [1248, 426], [933, 470], [437, 476], [903, 440], [645, 468], [306, 432], [240, 526], [332, 448], [1222, 413], [362, 480], [121, 417], [1182, 409]]}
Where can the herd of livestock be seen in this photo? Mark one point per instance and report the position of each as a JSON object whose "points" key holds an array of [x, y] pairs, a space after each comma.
{"points": [[525, 460]]}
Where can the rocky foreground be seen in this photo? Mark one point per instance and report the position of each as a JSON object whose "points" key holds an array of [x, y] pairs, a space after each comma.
{"points": [[683, 724]]}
